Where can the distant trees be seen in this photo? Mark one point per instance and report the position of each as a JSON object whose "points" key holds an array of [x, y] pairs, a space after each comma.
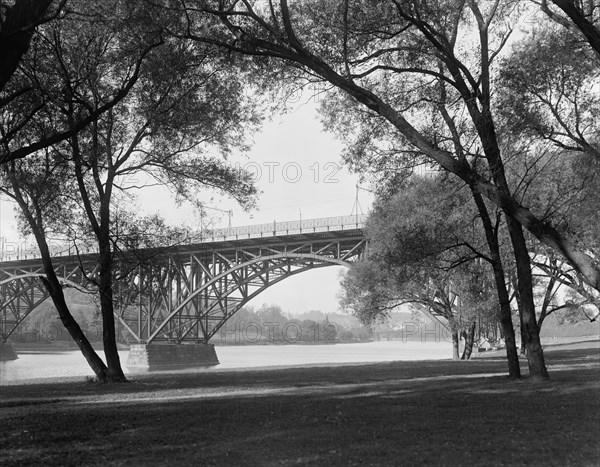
{"points": [[268, 324]]}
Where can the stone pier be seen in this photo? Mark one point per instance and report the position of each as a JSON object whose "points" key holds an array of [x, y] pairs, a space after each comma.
{"points": [[7, 352], [170, 356]]}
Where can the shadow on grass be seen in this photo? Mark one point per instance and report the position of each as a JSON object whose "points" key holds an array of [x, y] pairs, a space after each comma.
{"points": [[157, 385], [451, 422]]}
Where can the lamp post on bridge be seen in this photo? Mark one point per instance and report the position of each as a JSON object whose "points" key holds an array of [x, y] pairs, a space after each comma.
{"points": [[228, 212]]}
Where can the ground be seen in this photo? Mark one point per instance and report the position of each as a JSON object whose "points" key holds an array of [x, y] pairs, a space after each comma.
{"points": [[399, 413]]}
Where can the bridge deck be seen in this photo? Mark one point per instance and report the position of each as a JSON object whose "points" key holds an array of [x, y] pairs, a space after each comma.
{"points": [[261, 235]]}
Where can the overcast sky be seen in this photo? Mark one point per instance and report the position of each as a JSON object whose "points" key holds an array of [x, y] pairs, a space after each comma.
{"points": [[299, 172]]}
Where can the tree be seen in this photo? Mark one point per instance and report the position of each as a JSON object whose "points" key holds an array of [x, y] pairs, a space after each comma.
{"points": [[423, 253], [183, 104], [372, 293], [271, 314], [41, 186], [35, 192]]}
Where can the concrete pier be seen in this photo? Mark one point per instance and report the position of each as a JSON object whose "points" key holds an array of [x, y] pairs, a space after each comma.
{"points": [[170, 356], [7, 352]]}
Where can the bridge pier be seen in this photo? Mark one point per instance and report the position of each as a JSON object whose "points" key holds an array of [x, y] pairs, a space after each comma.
{"points": [[170, 356], [7, 352]]}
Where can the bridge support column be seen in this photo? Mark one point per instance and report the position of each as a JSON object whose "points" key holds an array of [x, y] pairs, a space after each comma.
{"points": [[170, 356], [7, 352]]}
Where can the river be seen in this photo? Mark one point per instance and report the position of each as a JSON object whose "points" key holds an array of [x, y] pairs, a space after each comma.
{"points": [[34, 366]]}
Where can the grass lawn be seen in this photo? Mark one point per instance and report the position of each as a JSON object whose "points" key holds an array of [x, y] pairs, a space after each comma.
{"points": [[398, 413]]}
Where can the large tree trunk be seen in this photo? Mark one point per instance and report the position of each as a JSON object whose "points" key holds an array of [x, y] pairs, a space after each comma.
{"points": [[101, 229], [111, 352], [529, 327], [487, 133], [55, 290], [504, 310]]}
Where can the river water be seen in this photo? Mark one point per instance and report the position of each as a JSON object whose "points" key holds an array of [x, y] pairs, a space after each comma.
{"points": [[37, 367]]}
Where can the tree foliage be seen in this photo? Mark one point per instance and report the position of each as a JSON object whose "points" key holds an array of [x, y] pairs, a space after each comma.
{"points": [[426, 250], [555, 100]]}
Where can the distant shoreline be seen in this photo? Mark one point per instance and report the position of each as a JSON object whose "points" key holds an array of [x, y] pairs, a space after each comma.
{"points": [[64, 346]]}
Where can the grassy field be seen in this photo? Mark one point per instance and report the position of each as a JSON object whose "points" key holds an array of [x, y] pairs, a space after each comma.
{"points": [[399, 413]]}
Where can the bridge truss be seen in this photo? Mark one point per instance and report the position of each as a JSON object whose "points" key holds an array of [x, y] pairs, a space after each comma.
{"points": [[22, 289], [186, 293]]}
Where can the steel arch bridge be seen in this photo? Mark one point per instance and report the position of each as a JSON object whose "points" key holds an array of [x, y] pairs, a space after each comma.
{"points": [[187, 292]]}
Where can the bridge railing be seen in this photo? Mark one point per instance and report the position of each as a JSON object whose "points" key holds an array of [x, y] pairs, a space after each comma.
{"points": [[274, 228], [12, 251]]}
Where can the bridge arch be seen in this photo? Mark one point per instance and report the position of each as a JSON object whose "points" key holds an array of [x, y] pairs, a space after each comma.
{"points": [[216, 311], [188, 292], [23, 293], [20, 295]]}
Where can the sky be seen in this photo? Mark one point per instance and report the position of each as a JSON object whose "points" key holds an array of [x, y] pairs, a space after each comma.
{"points": [[298, 169]]}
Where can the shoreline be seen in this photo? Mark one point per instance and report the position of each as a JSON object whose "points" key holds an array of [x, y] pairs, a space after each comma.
{"points": [[67, 346]]}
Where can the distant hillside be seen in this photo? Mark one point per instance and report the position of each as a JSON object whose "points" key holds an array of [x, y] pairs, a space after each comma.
{"points": [[80, 304], [44, 323], [396, 320]]}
